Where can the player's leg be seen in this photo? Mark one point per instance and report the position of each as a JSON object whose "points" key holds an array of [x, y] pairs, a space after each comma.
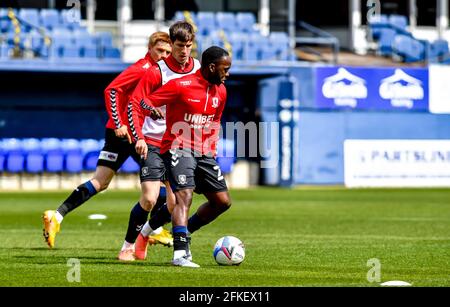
{"points": [[181, 165], [138, 217], [212, 184], [159, 217], [151, 172], [112, 156]]}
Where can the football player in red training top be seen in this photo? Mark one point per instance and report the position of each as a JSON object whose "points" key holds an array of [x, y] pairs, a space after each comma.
{"points": [[148, 132], [118, 144], [194, 106]]}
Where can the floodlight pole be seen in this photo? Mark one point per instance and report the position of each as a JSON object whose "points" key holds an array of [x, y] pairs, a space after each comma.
{"points": [[264, 16], [159, 13], [124, 9], [412, 14], [292, 28], [442, 17], [90, 15]]}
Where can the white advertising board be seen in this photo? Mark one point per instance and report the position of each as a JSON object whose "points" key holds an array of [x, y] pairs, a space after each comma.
{"points": [[397, 163]]}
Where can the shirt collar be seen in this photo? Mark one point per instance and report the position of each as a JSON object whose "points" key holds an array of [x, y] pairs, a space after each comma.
{"points": [[176, 67]]}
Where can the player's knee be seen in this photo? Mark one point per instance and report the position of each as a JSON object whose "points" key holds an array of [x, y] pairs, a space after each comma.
{"points": [[147, 203], [225, 204]]}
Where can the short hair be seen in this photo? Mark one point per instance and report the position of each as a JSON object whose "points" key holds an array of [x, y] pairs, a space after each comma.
{"points": [[158, 37], [213, 54], [182, 31]]}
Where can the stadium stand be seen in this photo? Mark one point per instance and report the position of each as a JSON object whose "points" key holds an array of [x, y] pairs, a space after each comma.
{"points": [[239, 34], [53, 34]]}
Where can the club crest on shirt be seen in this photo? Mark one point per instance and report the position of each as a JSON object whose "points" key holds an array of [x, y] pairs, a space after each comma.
{"points": [[182, 179], [215, 102]]}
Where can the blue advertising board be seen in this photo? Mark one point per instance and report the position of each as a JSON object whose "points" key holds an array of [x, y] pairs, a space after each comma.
{"points": [[372, 88]]}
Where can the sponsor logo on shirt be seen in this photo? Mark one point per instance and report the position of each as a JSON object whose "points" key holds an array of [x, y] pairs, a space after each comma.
{"points": [[185, 83], [193, 100], [198, 121]]}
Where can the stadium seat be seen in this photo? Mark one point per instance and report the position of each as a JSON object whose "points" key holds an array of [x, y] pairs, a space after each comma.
{"points": [[438, 49], [111, 53], [31, 17], [48, 144], [70, 51], [226, 21], [2, 160], [245, 22], [376, 24], [70, 145], [206, 23], [4, 51], [130, 166], [54, 155], [398, 22], [15, 161], [50, 18], [70, 19], [90, 160], [5, 22], [386, 39], [89, 145], [225, 155]]}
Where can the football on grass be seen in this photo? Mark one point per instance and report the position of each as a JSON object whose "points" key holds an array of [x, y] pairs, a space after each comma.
{"points": [[229, 250]]}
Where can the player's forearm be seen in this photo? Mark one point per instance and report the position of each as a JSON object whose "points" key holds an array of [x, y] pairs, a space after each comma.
{"points": [[134, 121], [112, 103]]}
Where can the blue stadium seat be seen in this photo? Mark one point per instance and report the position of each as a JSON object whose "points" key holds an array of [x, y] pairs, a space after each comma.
{"points": [[376, 24], [181, 15], [70, 19], [410, 49], [34, 157], [73, 162], [206, 23], [89, 145], [54, 154], [398, 22], [111, 53], [5, 22], [48, 144], [90, 160], [438, 50], [268, 52], [2, 160], [4, 51], [226, 21], [15, 161], [70, 51], [30, 16], [105, 39], [225, 155], [130, 166], [245, 22], [50, 18], [386, 39]]}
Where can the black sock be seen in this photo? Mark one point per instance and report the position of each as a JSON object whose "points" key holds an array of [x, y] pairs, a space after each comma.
{"points": [[138, 217], [180, 241], [195, 223], [159, 203], [160, 218], [79, 196]]}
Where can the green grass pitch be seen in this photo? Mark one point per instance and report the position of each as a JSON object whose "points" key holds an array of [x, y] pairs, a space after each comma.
{"points": [[300, 237]]}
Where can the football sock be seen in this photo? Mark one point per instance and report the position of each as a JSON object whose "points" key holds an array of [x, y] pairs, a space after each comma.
{"points": [[180, 242], [59, 217], [138, 217], [159, 202], [80, 195], [160, 218], [126, 245], [195, 223]]}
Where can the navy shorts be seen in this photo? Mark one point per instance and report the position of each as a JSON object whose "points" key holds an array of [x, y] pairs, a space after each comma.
{"points": [[188, 171], [116, 151], [153, 168]]}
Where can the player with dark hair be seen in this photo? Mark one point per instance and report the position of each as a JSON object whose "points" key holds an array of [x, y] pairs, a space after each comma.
{"points": [[194, 106], [148, 132], [118, 144]]}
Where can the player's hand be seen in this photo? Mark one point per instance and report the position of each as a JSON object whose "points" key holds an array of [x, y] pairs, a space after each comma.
{"points": [[156, 114], [141, 148], [122, 132]]}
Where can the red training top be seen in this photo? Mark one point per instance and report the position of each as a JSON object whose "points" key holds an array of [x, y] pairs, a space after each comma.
{"points": [[194, 108], [118, 92]]}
